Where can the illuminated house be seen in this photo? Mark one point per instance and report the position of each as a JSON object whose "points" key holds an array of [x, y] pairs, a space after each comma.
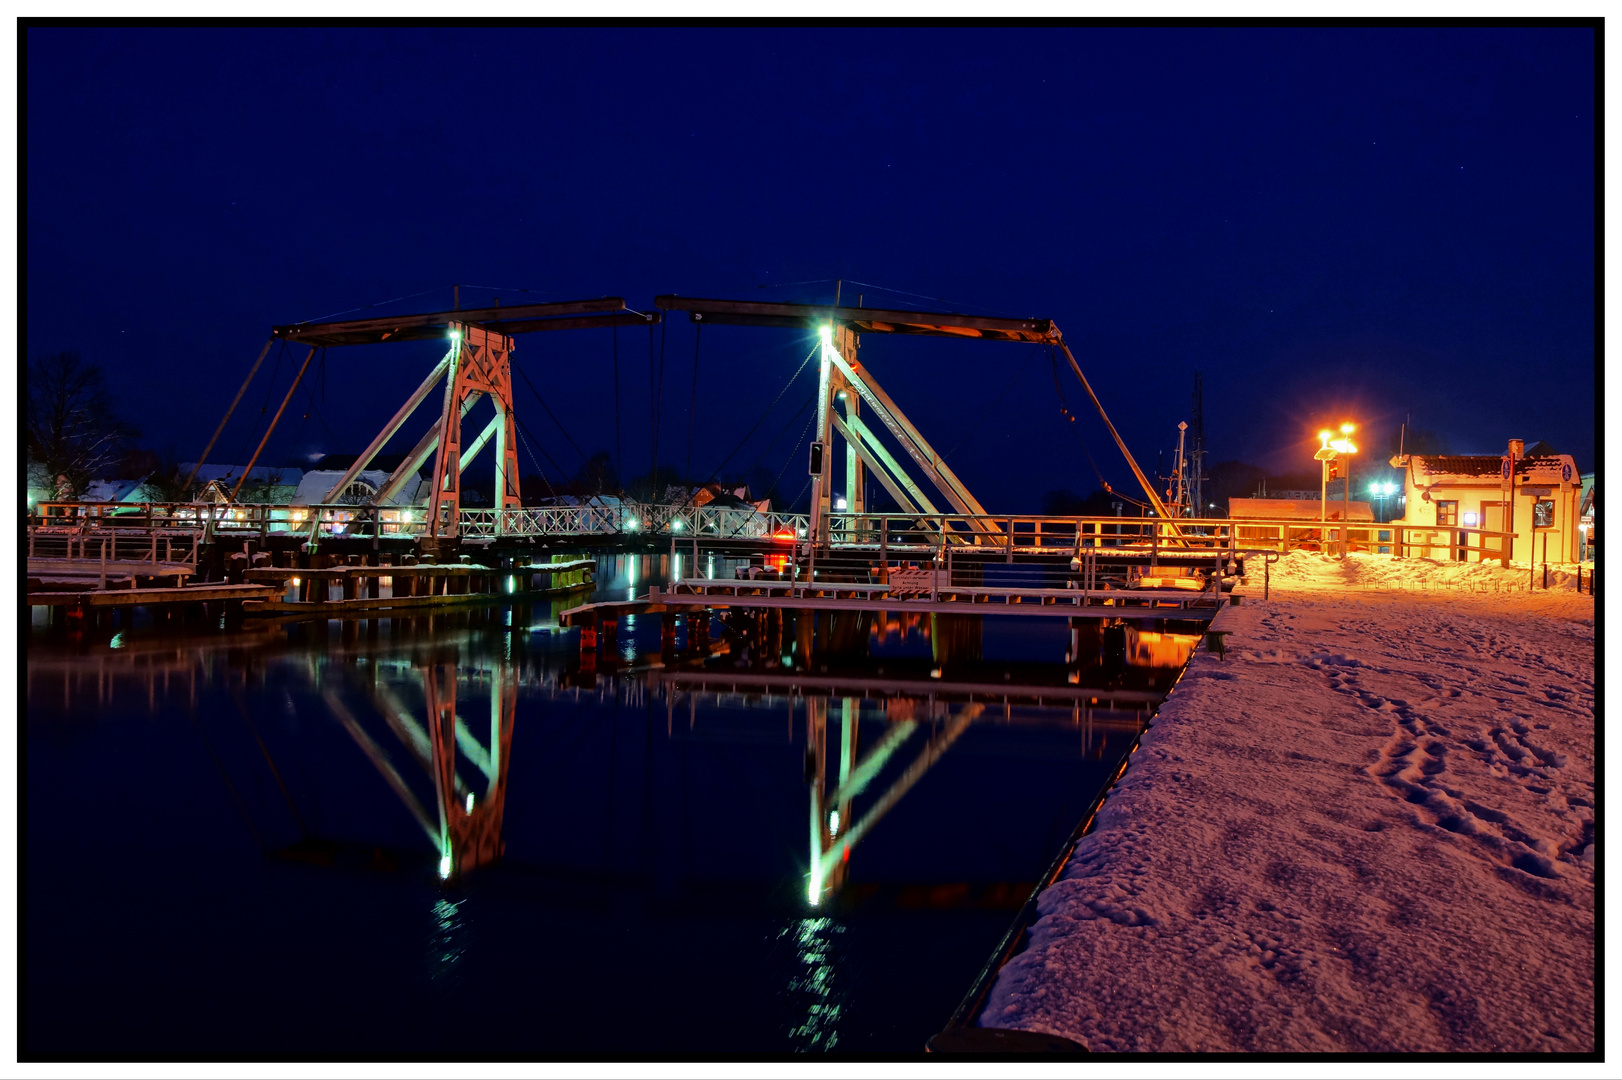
{"points": [[130, 491], [317, 482], [1537, 498], [265, 484]]}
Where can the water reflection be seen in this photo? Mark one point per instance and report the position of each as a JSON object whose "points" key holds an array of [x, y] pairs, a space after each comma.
{"points": [[815, 988], [433, 710], [446, 944], [805, 786]]}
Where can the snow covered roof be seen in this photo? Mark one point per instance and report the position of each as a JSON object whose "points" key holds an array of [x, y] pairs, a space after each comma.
{"points": [[604, 501], [1547, 468], [1304, 510], [316, 483], [1487, 465], [1487, 469], [113, 491], [265, 474]]}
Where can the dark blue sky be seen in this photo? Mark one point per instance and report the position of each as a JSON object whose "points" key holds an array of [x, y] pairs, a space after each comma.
{"points": [[1324, 222]]}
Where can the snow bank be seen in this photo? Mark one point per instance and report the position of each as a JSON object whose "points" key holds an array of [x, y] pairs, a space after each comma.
{"points": [[1370, 829], [1362, 571]]}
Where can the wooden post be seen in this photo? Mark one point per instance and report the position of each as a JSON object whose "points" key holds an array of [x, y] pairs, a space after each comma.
{"points": [[273, 421]]}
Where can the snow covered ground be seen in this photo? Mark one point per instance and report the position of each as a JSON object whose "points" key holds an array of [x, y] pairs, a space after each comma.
{"points": [[1370, 828]]}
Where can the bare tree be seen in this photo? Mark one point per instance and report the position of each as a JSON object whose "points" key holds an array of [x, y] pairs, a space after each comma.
{"points": [[73, 433]]}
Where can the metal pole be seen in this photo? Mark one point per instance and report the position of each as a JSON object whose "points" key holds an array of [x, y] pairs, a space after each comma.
{"points": [[1346, 514], [1323, 507], [820, 480], [104, 562]]}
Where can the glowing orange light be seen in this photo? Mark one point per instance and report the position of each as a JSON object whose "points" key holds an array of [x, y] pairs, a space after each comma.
{"points": [[1342, 445]]}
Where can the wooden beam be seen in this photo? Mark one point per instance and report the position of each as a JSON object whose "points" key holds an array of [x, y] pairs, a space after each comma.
{"points": [[430, 324], [862, 320], [248, 469], [203, 460]]}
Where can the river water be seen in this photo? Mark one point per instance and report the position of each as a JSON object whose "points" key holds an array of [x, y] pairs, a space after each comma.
{"points": [[236, 844]]}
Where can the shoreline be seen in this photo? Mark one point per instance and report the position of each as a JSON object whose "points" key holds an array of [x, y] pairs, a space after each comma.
{"points": [[1370, 828]]}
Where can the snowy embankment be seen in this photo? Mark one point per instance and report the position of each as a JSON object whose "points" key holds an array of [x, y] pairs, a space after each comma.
{"points": [[1370, 828]]}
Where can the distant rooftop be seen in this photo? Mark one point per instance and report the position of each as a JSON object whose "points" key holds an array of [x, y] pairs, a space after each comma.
{"points": [[1302, 509]]}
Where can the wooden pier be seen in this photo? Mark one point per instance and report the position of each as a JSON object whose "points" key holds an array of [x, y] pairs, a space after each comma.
{"points": [[364, 591], [80, 589], [1133, 605]]}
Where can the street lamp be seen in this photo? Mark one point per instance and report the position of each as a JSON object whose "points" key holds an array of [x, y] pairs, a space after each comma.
{"points": [[1382, 491], [1330, 450]]}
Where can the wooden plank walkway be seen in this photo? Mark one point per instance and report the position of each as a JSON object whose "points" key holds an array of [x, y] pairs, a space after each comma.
{"points": [[189, 594], [1135, 605], [71, 572], [432, 586]]}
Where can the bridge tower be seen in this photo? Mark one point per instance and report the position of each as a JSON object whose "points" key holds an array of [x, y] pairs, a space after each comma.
{"points": [[480, 363], [477, 364]]}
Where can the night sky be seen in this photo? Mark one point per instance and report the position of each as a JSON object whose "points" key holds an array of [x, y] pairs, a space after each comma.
{"points": [[1326, 223]]}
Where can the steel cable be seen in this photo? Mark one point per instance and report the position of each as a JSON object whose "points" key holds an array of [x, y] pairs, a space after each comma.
{"points": [[619, 447], [553, 415], [692, 409]]}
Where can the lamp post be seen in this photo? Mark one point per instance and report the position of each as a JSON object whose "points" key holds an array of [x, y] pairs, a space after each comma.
{"points": [[1382, 491], [1324, 455], [1330, 450]]}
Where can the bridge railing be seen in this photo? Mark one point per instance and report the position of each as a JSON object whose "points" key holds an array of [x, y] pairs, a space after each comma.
{"points": [[1008, 533], [105, 542], [1038, 534], [1024, 533], [235, 519], [634, 518]]}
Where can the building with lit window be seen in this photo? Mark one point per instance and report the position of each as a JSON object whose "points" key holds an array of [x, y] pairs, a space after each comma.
{"points": [[1530, 491]]}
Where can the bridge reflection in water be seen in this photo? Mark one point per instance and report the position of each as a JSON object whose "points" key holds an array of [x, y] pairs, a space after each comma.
{"points": [[859, 724]]}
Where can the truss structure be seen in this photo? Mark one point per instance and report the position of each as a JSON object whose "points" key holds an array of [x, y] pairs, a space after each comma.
{"points": [[477, 364], [845, 388], [465, 825]]}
